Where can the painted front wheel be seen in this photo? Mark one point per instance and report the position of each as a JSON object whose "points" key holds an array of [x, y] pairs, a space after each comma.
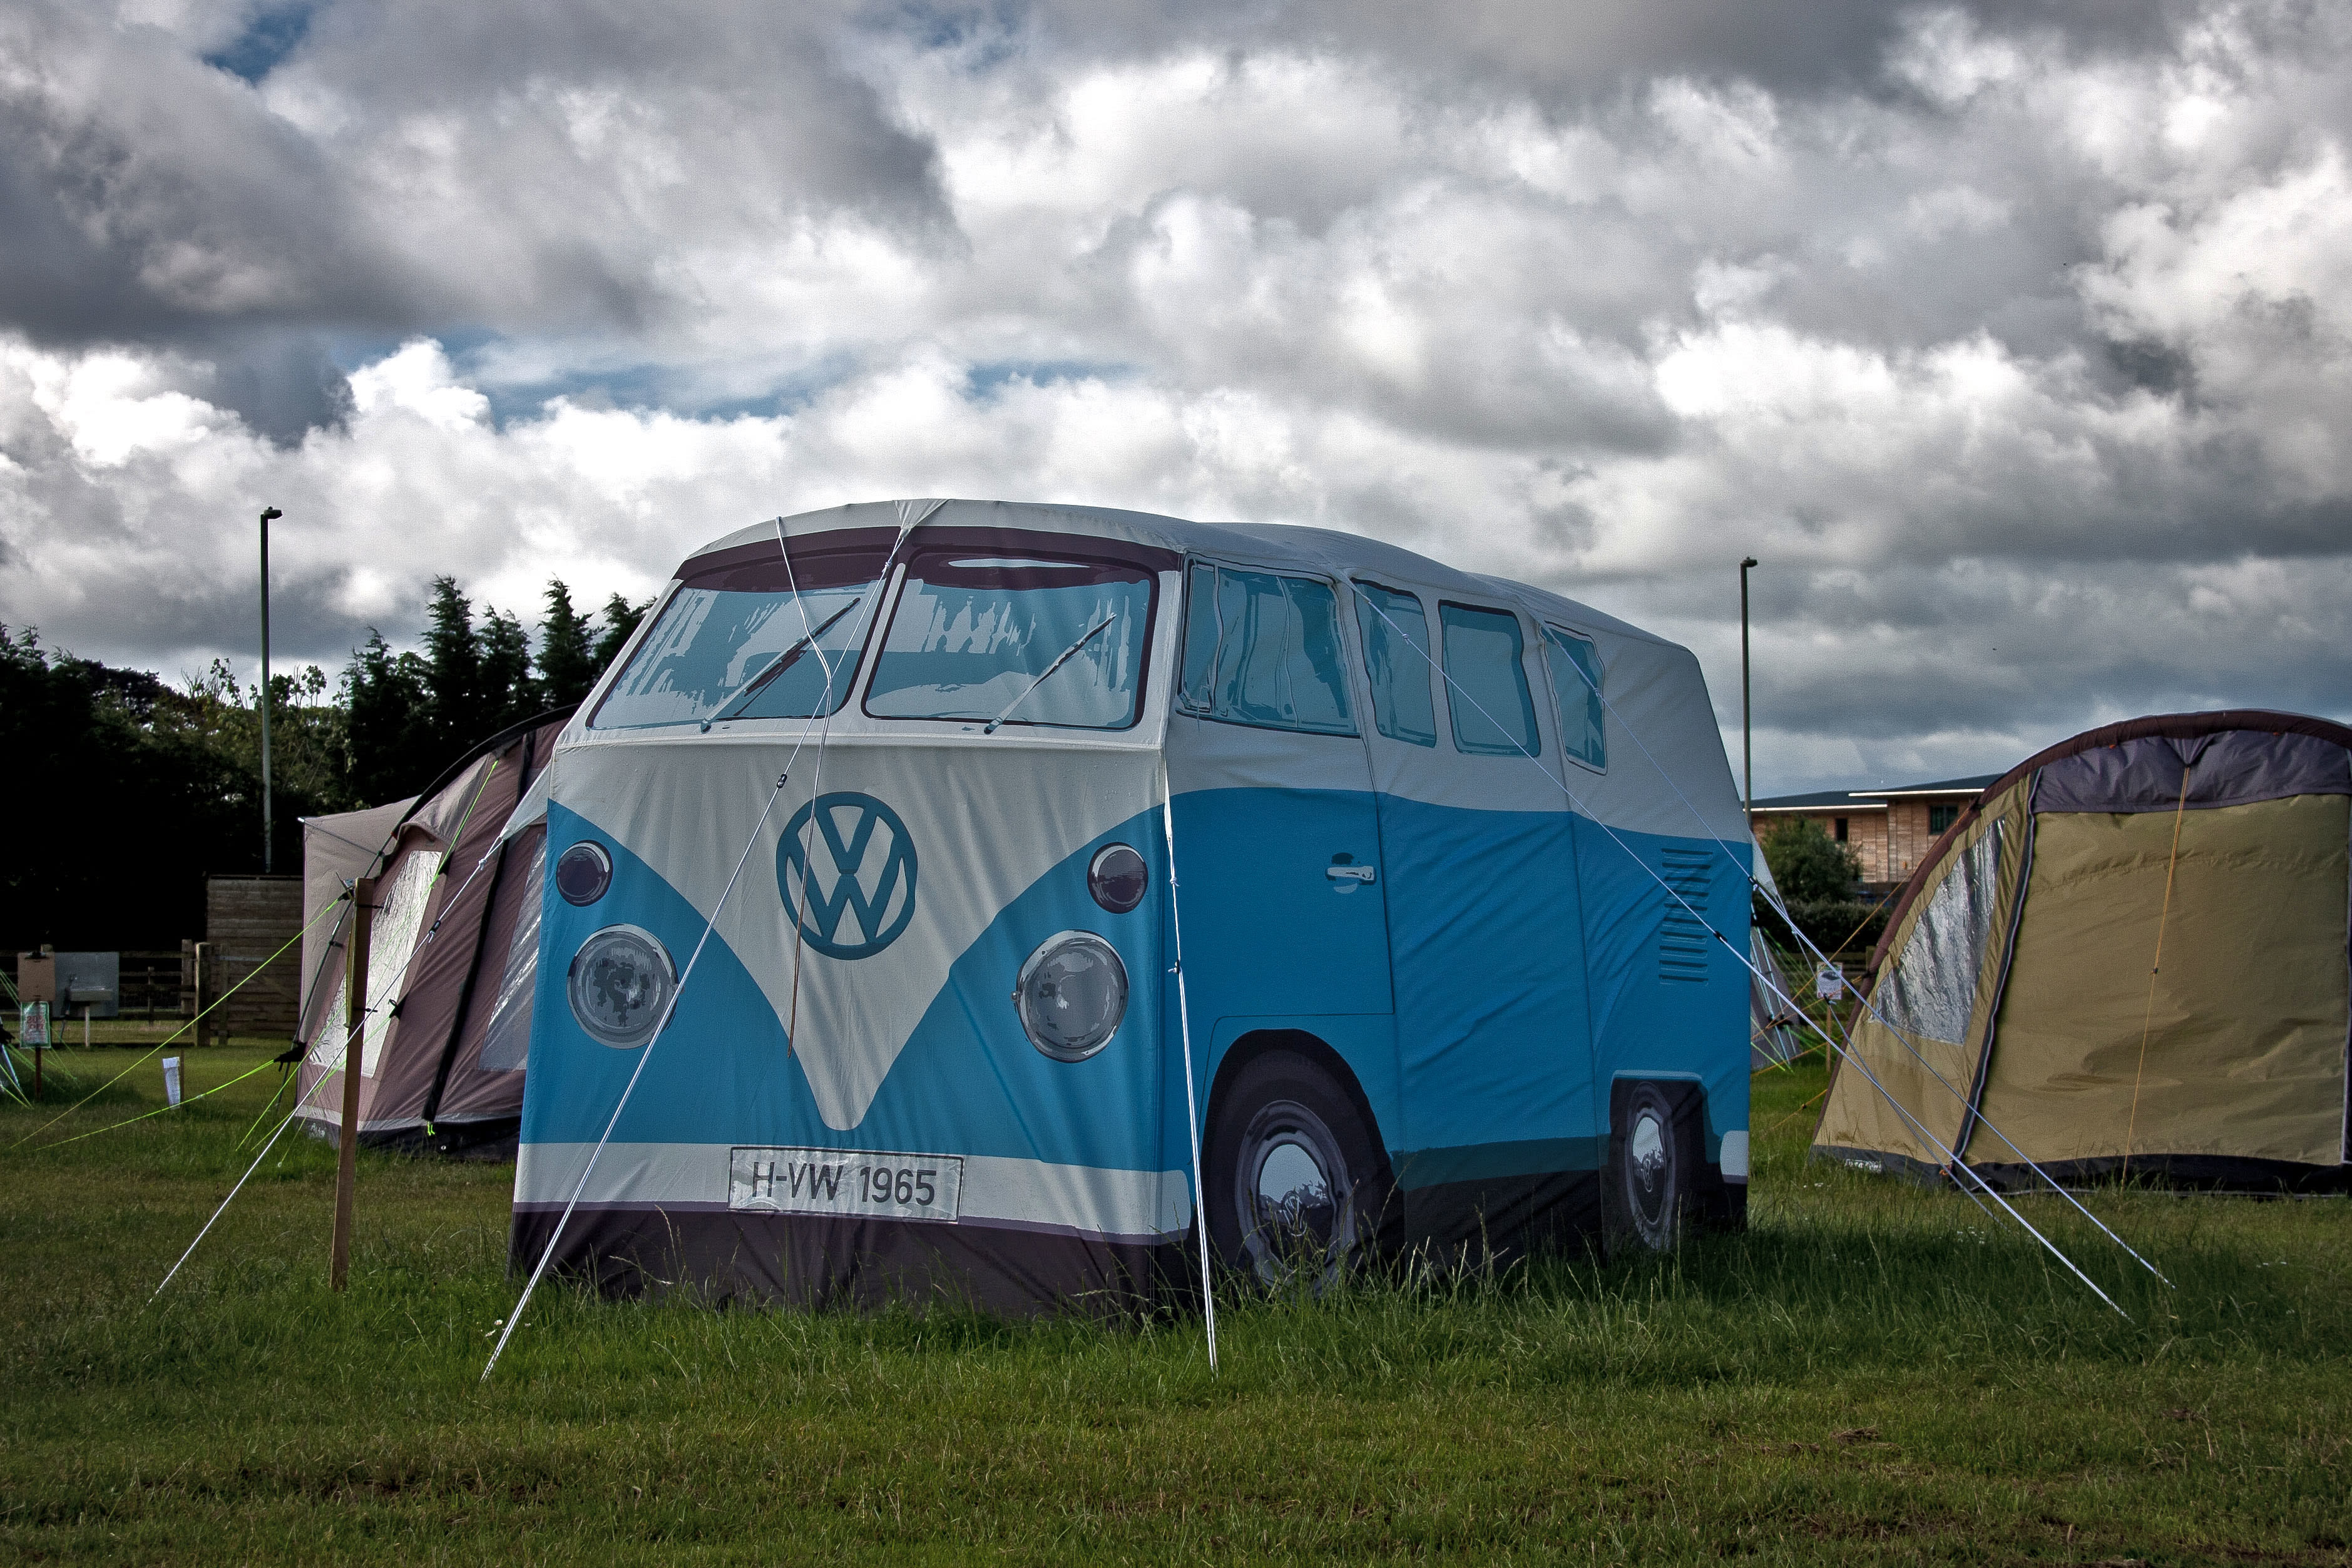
{"points": [[1294, 1186]]}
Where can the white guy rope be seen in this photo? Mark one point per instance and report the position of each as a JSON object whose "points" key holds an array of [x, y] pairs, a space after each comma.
{"points": [[910, 514], [824, 705], [637, 1072], [1192, 1102]]}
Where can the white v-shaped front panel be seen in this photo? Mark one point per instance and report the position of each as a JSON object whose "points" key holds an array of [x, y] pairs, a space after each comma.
{"points": [[936, 839]]}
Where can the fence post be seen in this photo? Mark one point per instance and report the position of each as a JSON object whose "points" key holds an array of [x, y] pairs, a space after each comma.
{"points": [[204, 965], [347, 1136]]}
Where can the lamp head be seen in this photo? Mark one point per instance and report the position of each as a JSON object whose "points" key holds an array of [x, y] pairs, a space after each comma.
{"points": [[271, 515], [1746, 563]]}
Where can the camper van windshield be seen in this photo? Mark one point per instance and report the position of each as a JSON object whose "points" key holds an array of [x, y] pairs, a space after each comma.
{"points": [[1024, 642], [723, 652]]}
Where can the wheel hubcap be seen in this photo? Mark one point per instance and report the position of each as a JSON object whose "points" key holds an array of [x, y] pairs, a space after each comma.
{"points": [[1646, 1149], [1298, 1208]]}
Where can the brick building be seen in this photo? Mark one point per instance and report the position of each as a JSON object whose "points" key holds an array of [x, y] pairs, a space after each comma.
{"points": [[1888, 830]]}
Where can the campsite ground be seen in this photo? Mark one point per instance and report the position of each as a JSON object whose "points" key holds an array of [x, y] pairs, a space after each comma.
{"points": [[1870, 1372]]}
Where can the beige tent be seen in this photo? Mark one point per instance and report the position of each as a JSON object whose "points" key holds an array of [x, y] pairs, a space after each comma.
{"points": [[2127, 960], [441, 1065]]}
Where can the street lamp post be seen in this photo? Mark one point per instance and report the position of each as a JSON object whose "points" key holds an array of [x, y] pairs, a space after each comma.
{"points": [[268, 515], [1747, 733]]}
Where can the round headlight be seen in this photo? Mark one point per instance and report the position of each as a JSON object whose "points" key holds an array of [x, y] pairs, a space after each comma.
{"points": [[1117, 877], [583, 872], [1072, 994], [621, 981]]}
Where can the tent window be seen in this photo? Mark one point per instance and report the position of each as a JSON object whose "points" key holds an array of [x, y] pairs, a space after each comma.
{"points": [[713, 646], [1493, 715], [1933, 987], [1196, 686], [1036, 642], [1576, 686], [399, 916], [1396, 653], [1274, 663], [506, 1043]]}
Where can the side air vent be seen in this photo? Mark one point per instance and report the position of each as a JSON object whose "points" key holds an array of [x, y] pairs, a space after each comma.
{"points": [[1683, 940]]}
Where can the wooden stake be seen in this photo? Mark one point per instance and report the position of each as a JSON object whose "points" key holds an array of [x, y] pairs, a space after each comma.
{"points": [[347, 1136], [203, 1025]]}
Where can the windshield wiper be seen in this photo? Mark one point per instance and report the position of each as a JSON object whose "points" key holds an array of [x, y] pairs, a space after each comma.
{"points": [[759, 682], [1049, 669]]}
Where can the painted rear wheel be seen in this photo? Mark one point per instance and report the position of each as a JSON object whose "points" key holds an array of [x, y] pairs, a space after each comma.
{"points": [[1652, 1171], [1295, 1189]]}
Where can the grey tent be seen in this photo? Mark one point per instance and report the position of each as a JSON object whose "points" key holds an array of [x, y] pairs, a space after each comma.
{"points": [[442, 1061]]}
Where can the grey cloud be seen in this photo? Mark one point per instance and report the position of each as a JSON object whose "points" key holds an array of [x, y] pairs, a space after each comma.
{"points": [[145, 192], [2008, 649], [1564, 53], [408, 168], [281, 384]]}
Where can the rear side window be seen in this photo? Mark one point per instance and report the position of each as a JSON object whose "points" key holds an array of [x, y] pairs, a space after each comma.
{"points": [[1264, 649], [1493, 715], [1396, 653], [1576, 682]]}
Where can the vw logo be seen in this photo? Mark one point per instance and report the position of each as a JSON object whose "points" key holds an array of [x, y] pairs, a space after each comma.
{"points": [[863, 892]]}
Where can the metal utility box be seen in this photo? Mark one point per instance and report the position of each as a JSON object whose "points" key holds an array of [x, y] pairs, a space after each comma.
{"points": [[91, 980]]}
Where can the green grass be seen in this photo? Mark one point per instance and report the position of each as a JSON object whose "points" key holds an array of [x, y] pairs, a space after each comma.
{"points": [[1870, 1372]]}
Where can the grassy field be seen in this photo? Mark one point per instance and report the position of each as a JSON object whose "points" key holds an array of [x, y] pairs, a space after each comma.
{"points": [[1870, 1372]]}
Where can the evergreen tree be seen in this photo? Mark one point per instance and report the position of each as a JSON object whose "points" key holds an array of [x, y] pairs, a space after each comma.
{"points": [[453, 674], [390, 749], [621, 619], [568, 664], [510, 694]]}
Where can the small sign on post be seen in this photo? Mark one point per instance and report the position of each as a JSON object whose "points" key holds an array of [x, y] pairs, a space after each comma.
{"points": [[1828, 983], [172, 1081]]}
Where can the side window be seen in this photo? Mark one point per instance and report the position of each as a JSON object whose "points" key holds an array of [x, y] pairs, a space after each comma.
{"points": [[1264, 649], [1576, 684], [1192, 687], [1396, 653], [1493, 713]]}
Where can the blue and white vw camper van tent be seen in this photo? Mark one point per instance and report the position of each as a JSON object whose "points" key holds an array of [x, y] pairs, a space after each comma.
{"points": [[878, 810]]}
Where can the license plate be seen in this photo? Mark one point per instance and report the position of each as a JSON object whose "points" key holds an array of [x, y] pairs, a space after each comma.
{"points": [[842, 1181]]}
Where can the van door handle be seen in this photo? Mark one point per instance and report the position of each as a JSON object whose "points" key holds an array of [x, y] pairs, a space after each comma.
{"points": [[1350, 872]]}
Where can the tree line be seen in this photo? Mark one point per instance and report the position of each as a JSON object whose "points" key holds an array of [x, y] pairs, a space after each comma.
{"points": [[132, 789]]}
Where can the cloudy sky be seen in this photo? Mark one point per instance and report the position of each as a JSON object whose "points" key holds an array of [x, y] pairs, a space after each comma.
{"points": [[2016, 341]]}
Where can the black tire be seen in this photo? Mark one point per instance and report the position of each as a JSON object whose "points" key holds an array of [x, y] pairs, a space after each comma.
{"points": [[1284, 1125], [1651, 1184]]}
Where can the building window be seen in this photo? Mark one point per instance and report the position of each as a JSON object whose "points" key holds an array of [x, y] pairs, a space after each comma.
{"points": [[1942, 817], [1841, 830]]}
